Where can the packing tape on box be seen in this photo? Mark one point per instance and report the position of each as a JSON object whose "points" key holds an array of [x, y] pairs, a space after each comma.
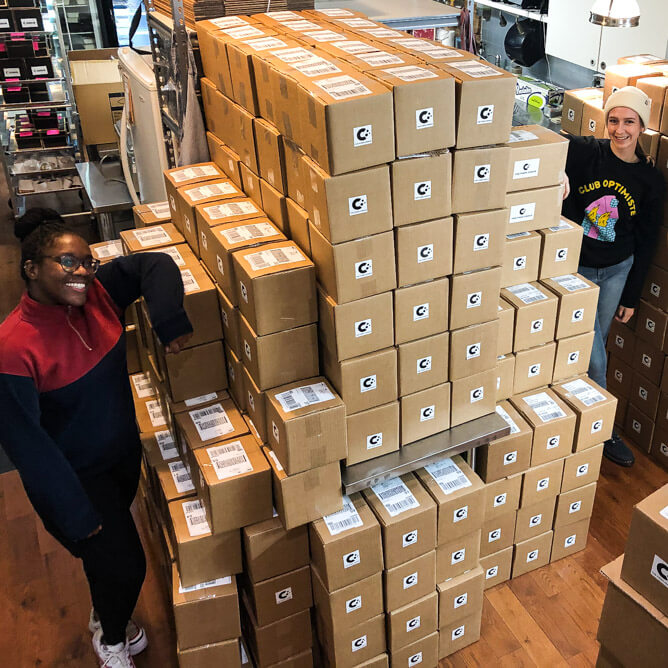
{"points": [[313, 120]]}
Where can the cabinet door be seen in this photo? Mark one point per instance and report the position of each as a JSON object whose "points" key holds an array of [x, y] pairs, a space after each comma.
{"points": [[570, 36]]}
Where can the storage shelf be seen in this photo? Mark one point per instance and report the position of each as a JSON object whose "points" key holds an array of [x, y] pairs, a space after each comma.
{"points": [[513, 9], [426, 451], [40, 149], [44, 172], [24, 82], [16, 106], [49, 192]]}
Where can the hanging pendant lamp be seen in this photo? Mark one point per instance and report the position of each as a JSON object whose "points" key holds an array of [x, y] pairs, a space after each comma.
{"points": [[615, 13]]}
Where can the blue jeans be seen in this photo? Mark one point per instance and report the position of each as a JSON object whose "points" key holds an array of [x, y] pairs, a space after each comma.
{"points": [[611, 281]]}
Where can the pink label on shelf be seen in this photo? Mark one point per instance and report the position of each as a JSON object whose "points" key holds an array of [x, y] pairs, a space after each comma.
{"points": [[43, 113], [35, 45], [3, 47], [25, 133], [13, 80], [53, 132], [17, 35], [13, 89]]}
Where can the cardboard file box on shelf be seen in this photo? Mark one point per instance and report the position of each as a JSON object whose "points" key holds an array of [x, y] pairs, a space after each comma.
{"points": [[473, 397], [639, 427], [306, 425], [407, 516], [534, 520], [502, 496], [473, 349], [506, 317], [578, 298], [572, 356], [498, 534], [154, 237], [409, 581], [275, 287], [621, 340], [535, 314], [186, 176], [425, 413], [346, 546], [423, 363], [532, 554], [372, 433], [509, 454], [530, 210], [581, 468], [421, 310], [457, 556], [155, 213], [412, 622], [541, 482], [460, 597], [479, 179], [521, 257], [479, 239], [534, 367], [201, 556], [205, 615], [307, 496], [569, 539], [424, 251], [225, 157], [348, 206], [560, 251], [459, 634], [270, 550], [505, 376], [356, 646], [354, 269], [575, 505], [474, 297], [497, 567], [421, 188], [571, 119]]}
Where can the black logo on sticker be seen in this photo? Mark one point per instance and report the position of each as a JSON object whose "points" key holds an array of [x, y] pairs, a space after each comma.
{"points": [[575, 506], [421, 311], [283, 595], [582, 469], [510, 457], [592, 125], [482, 240], [535, 520], [458, 632], [363, 134], [415, 659], [474, 299], [364, 326], [536, 325], [553, 442], [643, 393], [485, 112], [542, 484], [477, 394], [427, 412], [425, 116], [458, 556], [423, 188], [410, 580], [360, 642], [520, 262], [578, 314], [532, 555], [461, 513], [570, 541], [460, 600], [358, 203], [562, 253], [534, 369], [410, 538], [596, 426], [414, 623], [369, 381], [352, 558], [501, 499], [573, 357], [424, 363], [426, 252], [650, 325], [491, 572], [482, 172], [661, 568], [375, 439], [494, 535], [354, 603], [525, 166], [474, 350], [523, 211], [646, 360], [363, 267]]}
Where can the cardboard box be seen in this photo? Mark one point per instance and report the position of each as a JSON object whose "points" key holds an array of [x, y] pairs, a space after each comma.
{"points": [[560, 249], [460, 596], [270, 550], [497, 567], [532, 554], [473, 397], [423, 363], [372, 433], [474, 297], [621, 341], [530, 210], [421, 310], [255, 405], [497, 534], [535, 314], [201, 556], [275, 204], [294, 171], [537, 157], [356, 328], [541, 482], [155, 213], [503, 496], [507, 455], [275, 287], [651, 324], [457, 556], [485, 96], [573, 109], [479, 178], [412, 622], [186, 176], [534, 520], [473, 349], [424, 251], [363, 382], [207, 614], [479, 239], [424, 650], [521, 257], [225, 157], [407, 516], [298, 224], [252, 185], [459, 497], [409, 581], [639, 427], [575, 505], [655, 291], [581, 469], [421, 188], [354, 269], [173, 483], [356, 646], [619, 377], [159, 447], [505, 374], [458, 635], [106, 251], [655, 88], [235, 373], [572, 356], [156, 236], [578, 298], [506, 318], [534, 367], [226, 653], [230, 318], [593, 119], [270, 156], [618, 76], [425, 413], [346, 546], [569, 539], [348, 206], [650, 141], [620, 415]]}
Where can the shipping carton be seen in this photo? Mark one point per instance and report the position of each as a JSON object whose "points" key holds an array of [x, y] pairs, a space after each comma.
{"points": [[106, 251], [294, 171], [569, 539], [425, 413], [535, 314], [639, 427], [460, 597], [521, 258], [655, 291], [155, 213], [227, 653], [534, 520], [618, 76], [505, 376], [230, 318], [154, 237], [251, 185], [173, 483], [458, 635], [572, 356], [473, 397], [560, 251], [593, 119], [575, 505], [421, 310], [578, 298], [651, 324], [581, 468], [424, 651], [423, 363], [497, 567], [458, 556], [159, 447], [532, 554], [412, 622], [503, 496], [474, 297], [571, 119], [186, 176], [620, 342], [270, 155], [357, 646], [541, 482], [497, 534], [530, 210], [235, 373], [298, 224], [619, 377], [225, 157], [534, 367], [473, 349], [275, 205], [506, 318], [255, 405], [372, 433], [479, 239], [409, 581]]}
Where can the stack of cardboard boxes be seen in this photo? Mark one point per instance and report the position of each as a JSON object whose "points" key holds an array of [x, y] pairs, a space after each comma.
{"points": [[636, 603]]}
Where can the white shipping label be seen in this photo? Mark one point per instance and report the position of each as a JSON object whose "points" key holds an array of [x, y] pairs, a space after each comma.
{"points": [[410, 580], [202, 399], [283, 16], [189, 282], [166, 445], [344, 519], [544, 407], [526, 169], [423, 364], [421, 312], [214, 190], [527, 293], [151, 236], [160, 209], [473, 300], [359, 643], [301, 397], [243, 32], [235, 235], [482, 173], [425, 253], [300, 25], [230, 209], [194, 173], [522, 213], [181, 477], [481, 242], [229, 22], [485, 114], [359, 23], [363, 328], [195, 518], [521, 135], [571, 283], [220, 582], [174, 253], [383, 33], [155, 413], [395, 496], [380, 58], [352, 559], [143, 386], [422, 190], [353, 47], [292, 56], [336, 13], [342, 88], [476, 69], [353, 604], [324, 35], [584, 392], [316, 67], [447, 475], [413, 624], [368, 383], [229, 460], [274, 257], [374, 441], [363, 269], [29, 23], [424, 118], [265, 43], [111, 249], [283, 596], [514, 429], [274, 459], [4, 23], [358, 205], [412, 73], [211, 422]]}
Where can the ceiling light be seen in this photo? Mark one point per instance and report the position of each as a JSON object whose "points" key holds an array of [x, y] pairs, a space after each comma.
{"points": [[615, 13]]}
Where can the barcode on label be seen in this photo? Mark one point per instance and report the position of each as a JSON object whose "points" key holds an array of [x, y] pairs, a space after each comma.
{"points": [[448, 476], [235, 235], [143, 386], [395, 496], [195, 518], [230, 209], [571, 283], [206, 585], [307, 395], [229, 460], [353, 47], [343, 87], [316, 67], [344, 519], [194, 173], [189, 282], [514, 429], [476, 69], [111, 249], [584, 392], [527, 293], [166, 445], [213, 190], [380, 58], [411, 73], [274, 257], [265, 43], [155, 413], [211, 422], [151, 236], [544, 407], [181, 477]]}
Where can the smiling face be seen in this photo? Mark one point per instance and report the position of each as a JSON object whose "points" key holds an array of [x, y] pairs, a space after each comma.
{"points": [[624, 128], [49, 283]]}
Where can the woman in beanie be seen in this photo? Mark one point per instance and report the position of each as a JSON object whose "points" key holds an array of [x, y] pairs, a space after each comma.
{"points": [[616, 194]]}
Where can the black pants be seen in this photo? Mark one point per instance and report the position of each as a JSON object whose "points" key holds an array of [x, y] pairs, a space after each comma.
{"points": [[113, 559]]}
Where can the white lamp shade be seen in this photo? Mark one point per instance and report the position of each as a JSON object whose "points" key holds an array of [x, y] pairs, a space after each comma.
{"points": [[615, 13]]}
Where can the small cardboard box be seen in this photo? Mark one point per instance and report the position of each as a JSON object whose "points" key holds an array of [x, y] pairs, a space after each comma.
{"points": [[407, 516], [106, 251], [356, 328], [530, 210], [348, 206], [479, 178], [409, 581], [306, 425], [645, 564], [201, 556], [421, 188], [503, 496], [560, 251], [595, 410], [346, 546], [363, 382], [423, 650], [498, 534], [575, 505], [505, 376], [229, 315], [569, 539], [298, 224], [581, 468], [651, 324], [458, 556], [535, 314], [507, 455], [424, 251], [235, 370], [474, 297], [521, 257], [270, 155], [534, 520], [425, 413], [473, 397], [532, 554], [154, 237], [255, 404], [186, 176], [572, 356], [458, 635], [620, 342], [506, 318], [220, 421], [618, 76], [205, 614], [541, 482], [372, 433], [173, 483], [294, 171], [571, 118], [593, 119], [534, 367], [497, 567], [619, 377], [460, 596], [359, 644], [459, 496], [155, 213], [473, 349], [225, 157], [354, 269], [412, 622], [275, 287], [421, 310], [655, 291], [226, 653], [275, 205], [251, 185], [159, 447], [578, 298], [423, 363], [537, 157], [479, 239]]}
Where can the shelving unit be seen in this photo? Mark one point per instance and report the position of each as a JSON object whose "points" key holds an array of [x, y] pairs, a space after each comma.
{"points": [[513, 9]]}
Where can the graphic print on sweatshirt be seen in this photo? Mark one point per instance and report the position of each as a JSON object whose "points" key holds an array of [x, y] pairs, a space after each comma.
{"points": [[600, 219]]}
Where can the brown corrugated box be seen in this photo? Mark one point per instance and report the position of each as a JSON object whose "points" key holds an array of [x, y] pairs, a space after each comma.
{"points": [[473, 349], [184, 176], [412, 622], [372, 433], [225, 157], [521, 257], [620, 341], [227, 653], [655, 291], [250, 183], [497, 567], [457, 556], [270, 155], [572, 357], [421, 651], [593, 119], [479, 239], [532, 554], [425, 413], [581, 468], [357, 646], [497, 534], [460, 597], [533, 209], [473, 397], [505, 376], [235, 375], [560, 251], [275, 205], [506, 318], [651, 324], [619, 377], [571, 119], [534, 367], [578, 298], [409, 581], [421, 310], [146, 215], [569, 539], [541, 482], [575, 505], [230, 320], [151, 238], [618, 76], [423, 363], [535, 314], [298, 224], [255, 404], [459, 634], [474, 297], [534, 520]]}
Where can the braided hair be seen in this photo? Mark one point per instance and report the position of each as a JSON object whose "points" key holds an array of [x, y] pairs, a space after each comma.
{"points": [[39, 239], [33, 218]]}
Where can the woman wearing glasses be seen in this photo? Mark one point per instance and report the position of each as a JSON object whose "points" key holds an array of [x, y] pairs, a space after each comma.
{"points": [[67, 419]]}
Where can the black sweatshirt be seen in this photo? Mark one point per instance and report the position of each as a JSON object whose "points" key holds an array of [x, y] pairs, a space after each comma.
{"points": [[66, 408], [618, 204]]}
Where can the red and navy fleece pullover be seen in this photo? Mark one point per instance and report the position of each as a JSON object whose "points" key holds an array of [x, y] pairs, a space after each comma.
{"points": [[66, 408]]}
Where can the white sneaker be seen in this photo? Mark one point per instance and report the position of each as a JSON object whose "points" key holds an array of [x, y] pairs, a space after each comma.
{"points": [[134, 634], [112, 656]]}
